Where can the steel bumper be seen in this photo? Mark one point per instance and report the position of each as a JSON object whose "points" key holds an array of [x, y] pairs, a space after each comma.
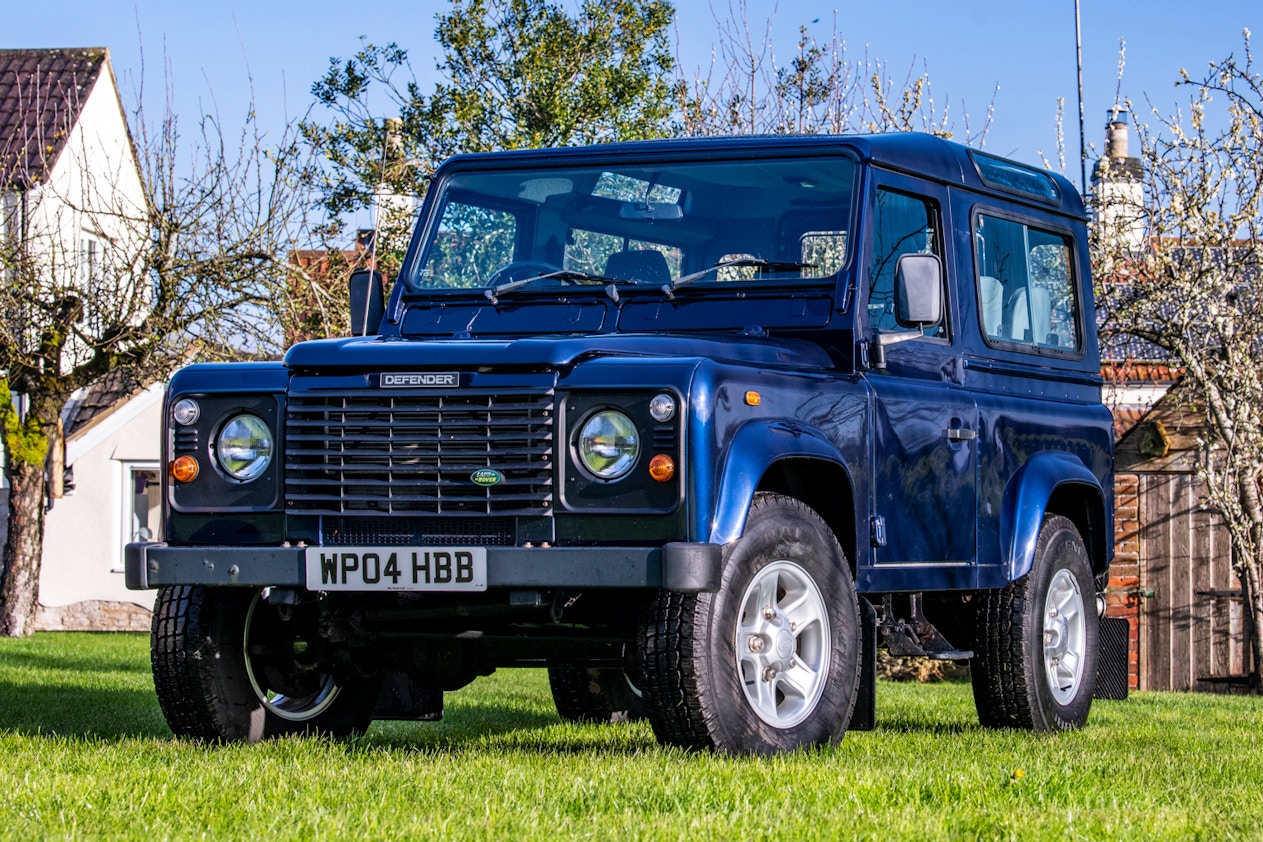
{"points": [[679, 566]]}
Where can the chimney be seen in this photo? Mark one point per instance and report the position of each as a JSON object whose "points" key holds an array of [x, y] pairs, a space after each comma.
{"points": [[1117, 185], [1116, 135]]}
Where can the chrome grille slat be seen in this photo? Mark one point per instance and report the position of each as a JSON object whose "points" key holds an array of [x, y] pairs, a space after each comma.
{"points": [[413, 451]]}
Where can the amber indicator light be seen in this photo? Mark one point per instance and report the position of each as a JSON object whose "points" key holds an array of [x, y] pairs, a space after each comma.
{"points": [[184, 469], [753, 398], [662, 467]]}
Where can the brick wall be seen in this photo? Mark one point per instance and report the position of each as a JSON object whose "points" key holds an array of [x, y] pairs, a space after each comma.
{"points": [[93, 615], [1121, 596]]}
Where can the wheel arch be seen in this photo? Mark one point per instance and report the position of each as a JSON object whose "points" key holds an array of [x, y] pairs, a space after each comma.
{"points": [[788, 459], [1053, 483]]}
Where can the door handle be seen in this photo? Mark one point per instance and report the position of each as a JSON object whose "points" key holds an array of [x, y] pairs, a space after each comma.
{"points": [[960, 434]]}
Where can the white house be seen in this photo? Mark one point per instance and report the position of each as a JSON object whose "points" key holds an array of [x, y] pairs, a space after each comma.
{"points": [[71, 193]]}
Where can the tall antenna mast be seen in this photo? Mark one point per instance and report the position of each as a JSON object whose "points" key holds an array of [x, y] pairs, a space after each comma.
{"points": [[1083, 147]]}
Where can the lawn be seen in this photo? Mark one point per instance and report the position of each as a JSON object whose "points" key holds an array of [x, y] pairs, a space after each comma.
{"points": [[86, 754]]}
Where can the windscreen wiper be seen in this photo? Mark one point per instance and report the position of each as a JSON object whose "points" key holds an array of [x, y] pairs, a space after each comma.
{"points": [[757, 262], [611, 284]]}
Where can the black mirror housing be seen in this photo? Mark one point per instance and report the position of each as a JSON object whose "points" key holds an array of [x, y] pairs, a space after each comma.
{"points": [[918, 290], [367, 302]]}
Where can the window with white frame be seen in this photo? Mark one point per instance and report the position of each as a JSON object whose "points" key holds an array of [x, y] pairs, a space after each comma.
{"points": [[142, 504], [92, 257]]}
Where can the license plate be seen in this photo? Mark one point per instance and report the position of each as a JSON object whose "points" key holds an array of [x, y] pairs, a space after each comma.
{"points": [[397, 568]]}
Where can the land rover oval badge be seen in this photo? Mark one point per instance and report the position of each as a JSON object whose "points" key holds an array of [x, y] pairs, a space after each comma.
{"points": [[485, 477]]}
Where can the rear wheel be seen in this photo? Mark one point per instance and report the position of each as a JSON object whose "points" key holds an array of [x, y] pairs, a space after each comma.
{"points": [[228, 666], [1037, 639], [590, 694], [770, 662]]}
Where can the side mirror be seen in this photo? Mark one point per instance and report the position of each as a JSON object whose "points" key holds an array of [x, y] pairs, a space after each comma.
{"points": [[367, 304], [918, 290]]}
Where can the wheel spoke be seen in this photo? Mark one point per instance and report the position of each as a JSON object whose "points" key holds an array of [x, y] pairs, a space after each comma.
{"points": [[801, 679], [767, 593], [765, 700], [1067, 603], [803, 612]]}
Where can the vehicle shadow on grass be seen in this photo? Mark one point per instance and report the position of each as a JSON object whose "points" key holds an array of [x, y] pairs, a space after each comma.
{"points": [[478, 726], [50, 661], [56, 709]]}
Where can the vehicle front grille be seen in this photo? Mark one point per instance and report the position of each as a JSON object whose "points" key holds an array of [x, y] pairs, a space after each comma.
{"points": [[411, 452], [418, 531]]}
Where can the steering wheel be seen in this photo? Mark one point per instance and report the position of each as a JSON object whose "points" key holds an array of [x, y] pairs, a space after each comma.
{"points": [[520, 270]]}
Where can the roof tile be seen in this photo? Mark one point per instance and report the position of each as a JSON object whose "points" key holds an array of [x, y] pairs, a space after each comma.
{"points": [[42, 93]]}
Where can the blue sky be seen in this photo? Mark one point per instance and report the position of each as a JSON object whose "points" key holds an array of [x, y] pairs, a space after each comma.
{"points": [[968, 46]]}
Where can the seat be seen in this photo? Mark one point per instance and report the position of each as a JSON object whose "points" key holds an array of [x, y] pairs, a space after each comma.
{"points": [[643, 266], [991, 293], [1038, 314]]}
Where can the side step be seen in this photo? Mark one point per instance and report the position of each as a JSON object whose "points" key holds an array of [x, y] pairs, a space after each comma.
{"points": [[917, 638]]}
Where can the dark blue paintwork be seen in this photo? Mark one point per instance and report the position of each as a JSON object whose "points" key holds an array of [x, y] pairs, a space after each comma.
{"points": [[957, 447]]}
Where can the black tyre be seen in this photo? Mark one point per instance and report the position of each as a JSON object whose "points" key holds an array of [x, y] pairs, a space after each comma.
{"points": [[230, 667], [769, 663], [600, 695], [1037, 639]]}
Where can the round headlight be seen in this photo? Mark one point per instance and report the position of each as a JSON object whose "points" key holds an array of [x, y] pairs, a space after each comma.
{"points": [[244, 447], [186, 412], [609, 444]]}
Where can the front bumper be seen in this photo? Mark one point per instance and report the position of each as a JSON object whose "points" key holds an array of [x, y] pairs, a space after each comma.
{"points": [[677, 566]]}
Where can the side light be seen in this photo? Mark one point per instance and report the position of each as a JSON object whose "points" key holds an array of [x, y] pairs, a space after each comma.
{"points": [[184, 469], [662, 407], [186, 412], [753, 399]]}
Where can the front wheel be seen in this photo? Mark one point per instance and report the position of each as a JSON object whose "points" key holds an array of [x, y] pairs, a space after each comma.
{"points": [[228, 666], [1037, 639], [770, 662]]}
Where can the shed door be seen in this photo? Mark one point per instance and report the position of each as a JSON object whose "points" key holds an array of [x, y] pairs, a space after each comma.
{"points": [[1192, 629]]}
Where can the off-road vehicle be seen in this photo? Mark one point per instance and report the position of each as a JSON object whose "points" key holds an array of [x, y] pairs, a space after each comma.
{"points": [[697, 425]]}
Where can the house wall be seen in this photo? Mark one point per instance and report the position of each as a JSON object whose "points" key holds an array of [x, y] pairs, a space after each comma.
{"points": [[93, 193], [91, 202], [82, 571]]}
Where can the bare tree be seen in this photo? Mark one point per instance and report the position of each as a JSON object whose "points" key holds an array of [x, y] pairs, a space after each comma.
{"points": [[747, 89], [1195, 288], [125, 269]]}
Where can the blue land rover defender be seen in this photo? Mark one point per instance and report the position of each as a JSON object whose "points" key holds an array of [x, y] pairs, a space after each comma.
{"points": [[697, 425]]}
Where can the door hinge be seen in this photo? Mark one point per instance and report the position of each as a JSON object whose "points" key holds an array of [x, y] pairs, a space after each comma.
{"points": [[877, 531]]}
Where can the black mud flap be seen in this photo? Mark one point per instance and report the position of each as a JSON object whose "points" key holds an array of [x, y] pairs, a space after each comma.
{"points": [[1111, 668], [865, 716], [404, 699]]}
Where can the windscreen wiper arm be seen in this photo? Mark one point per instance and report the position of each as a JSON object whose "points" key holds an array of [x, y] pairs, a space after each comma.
{"points": [[757, 262], [493, 293]]}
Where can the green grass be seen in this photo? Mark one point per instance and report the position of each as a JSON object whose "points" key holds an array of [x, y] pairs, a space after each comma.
{"points": [[84, 752]]}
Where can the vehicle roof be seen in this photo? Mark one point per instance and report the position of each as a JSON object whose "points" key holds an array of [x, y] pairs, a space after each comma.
{"points": [[916, 153]]}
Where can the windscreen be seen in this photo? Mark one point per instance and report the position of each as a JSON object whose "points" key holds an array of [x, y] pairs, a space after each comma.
{"points": [[698, 223]]}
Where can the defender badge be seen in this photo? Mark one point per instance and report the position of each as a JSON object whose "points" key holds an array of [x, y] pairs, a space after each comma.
{"points": [[419, 379], [485, 477]]}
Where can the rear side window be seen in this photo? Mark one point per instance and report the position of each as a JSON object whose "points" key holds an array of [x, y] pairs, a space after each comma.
{"points": [[1026, 293]]}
